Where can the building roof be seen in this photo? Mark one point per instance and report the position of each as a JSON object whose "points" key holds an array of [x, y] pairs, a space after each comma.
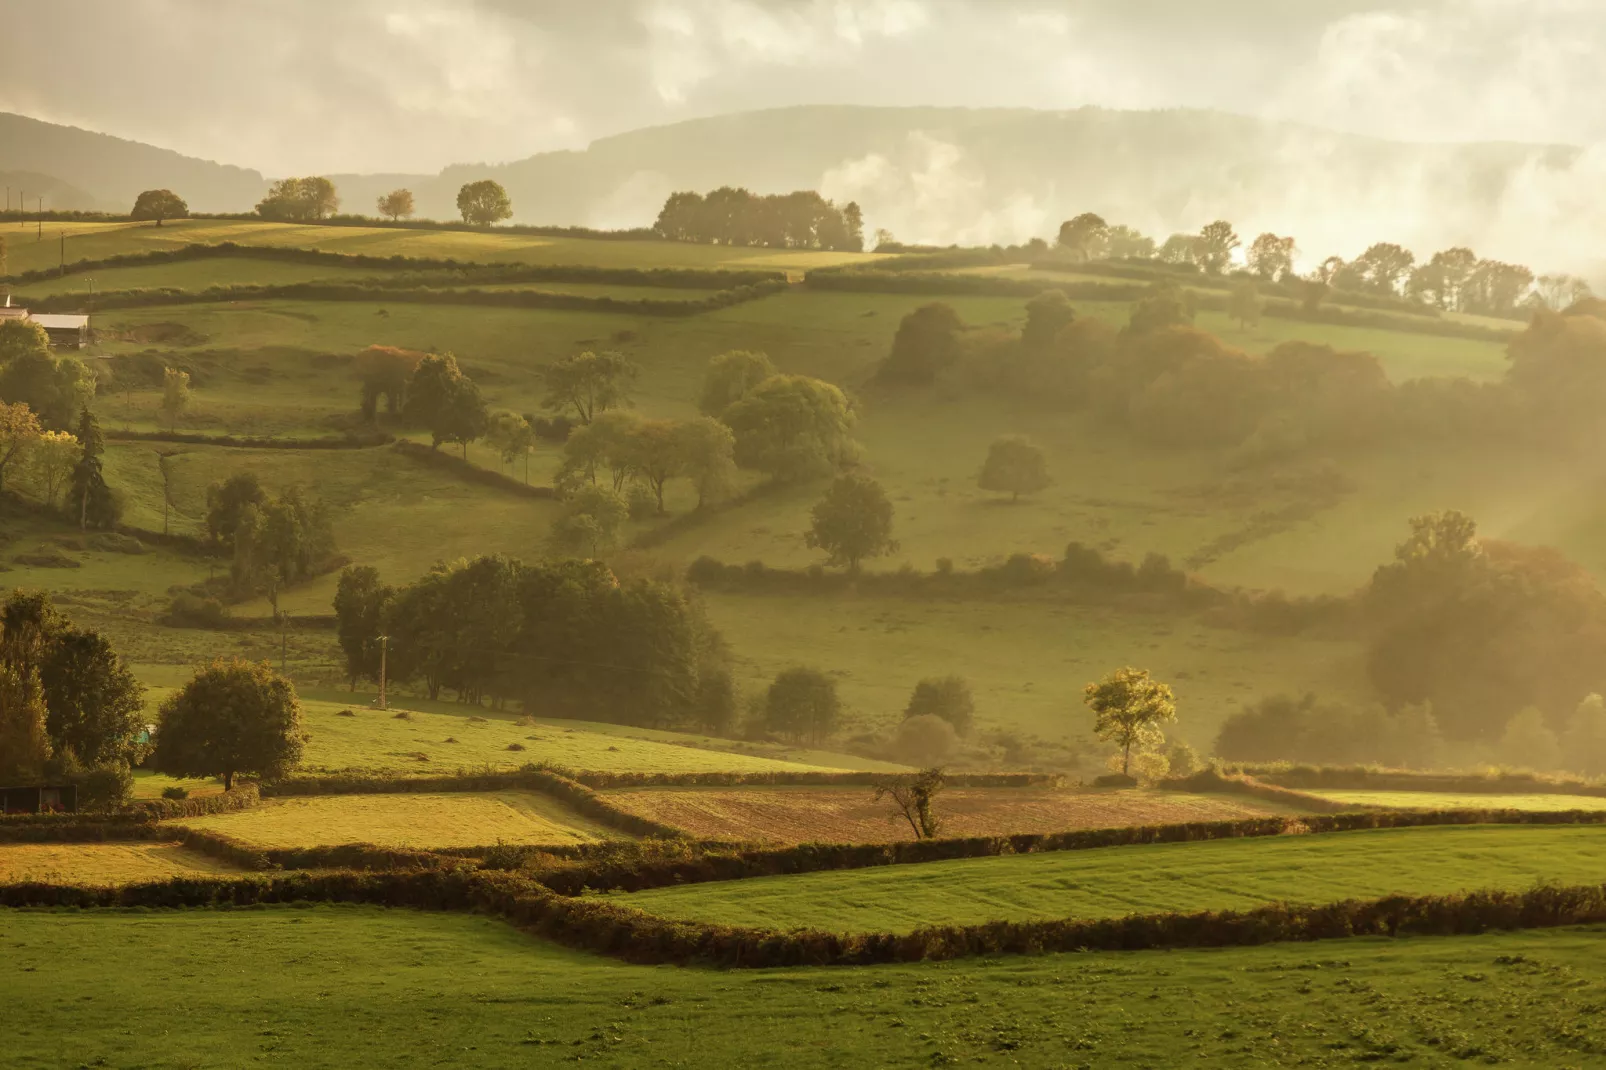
{"points": [[60, 322], [10, 312]]}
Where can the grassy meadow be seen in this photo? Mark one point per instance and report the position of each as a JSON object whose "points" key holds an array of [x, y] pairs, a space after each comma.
{"points": [[1443, 800], [333, 987], [1149, 879], [101, 863], [423, 820]]}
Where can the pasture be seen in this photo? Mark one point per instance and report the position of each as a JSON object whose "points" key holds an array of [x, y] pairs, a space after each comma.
{"points": [[412, 819], [333, 987], [101, 863], [1149, 878], [851, 814], [1441, 800]]}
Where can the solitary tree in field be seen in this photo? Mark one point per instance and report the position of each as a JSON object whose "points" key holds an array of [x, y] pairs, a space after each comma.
{"points": [[1014, 466], [159, 204], [912, 794], [1243, 304], [1128, 709], [852, 522], [234, 718], [947, 697], [802, 704], [175, 395], [483, 202], [397, 204], [588, 383]]}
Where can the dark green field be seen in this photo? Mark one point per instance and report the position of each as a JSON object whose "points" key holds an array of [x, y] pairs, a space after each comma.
{"points": [[331, 987]]}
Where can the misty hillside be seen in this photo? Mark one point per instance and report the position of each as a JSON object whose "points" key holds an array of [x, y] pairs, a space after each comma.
{"points": [[972, 176], [99, 172]]}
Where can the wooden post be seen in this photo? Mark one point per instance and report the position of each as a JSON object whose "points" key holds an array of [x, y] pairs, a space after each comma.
{"points": [[384, 641]]}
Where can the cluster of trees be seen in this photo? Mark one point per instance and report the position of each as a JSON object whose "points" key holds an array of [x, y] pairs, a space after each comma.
{"points": [[68, 703], [50, 443], [1452, 279], [566, 637], [273, 543], [732, 216], [299, 200]]}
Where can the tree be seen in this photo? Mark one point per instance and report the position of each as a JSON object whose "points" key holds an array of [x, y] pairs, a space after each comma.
{"points": [[96, 506], [512, 437], [226, 505], [19, 338], [1128, 709], [947, 697], [445, 402], [19, 433], [1271, 257], [1046, 315], [791, 427], [802, 704], [927, 343], [852, 522], [483, 203], [1384, 267], [24, 740], [1557, 292], [913, 794], [1014, 466], [655, 455], [1441, 280], [1165, 305], [1125, 243], [1213, 249], [1086, 237], [279, 543], [591, 520], [384, 372], [923, 740], [604, 443], [397, 204], [707, 451], [1243, 304], [175, 394], [50, 461], [233, 718], [299, 200], [1528, 743], [1584, 744], [55, 388], [1180, 249], [360, 605], [729, 378], [159, 204], [589, 383], [95, 708]]}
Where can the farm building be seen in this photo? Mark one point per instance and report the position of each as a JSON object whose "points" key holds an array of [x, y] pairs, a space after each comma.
{"points": [[70, 330], [39, 799]]}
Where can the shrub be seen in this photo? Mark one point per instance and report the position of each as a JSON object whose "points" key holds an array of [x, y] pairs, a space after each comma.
{"points": [[175, 792], [947, 697], [924, 740], [188, 610], [106, 787]]}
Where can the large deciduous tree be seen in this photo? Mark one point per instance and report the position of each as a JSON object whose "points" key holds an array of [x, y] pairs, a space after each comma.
{"points": [[802, 704], [947, 697], [927, 344], [279, 543], [731, 377], [484, 202], [19, 432], [395, 205], [226, 505], [159, 204], [791, 427], [588, 383], [234, 718], [445, 402], [1014, 466], [95, 707], [1128, 709], [1086, 237], [852, 522], [1214, 246], [707, 450], [360, 604], [1271, 257]]}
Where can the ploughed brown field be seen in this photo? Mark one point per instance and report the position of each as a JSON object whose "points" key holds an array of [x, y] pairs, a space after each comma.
{"points": [[851, 815]]}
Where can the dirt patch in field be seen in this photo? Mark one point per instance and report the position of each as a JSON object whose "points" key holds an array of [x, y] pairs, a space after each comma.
{"points": [[101, 863], [850, 815]]}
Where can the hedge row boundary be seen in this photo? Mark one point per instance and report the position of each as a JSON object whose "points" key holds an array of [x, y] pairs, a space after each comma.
{"points": [[634, 936], [327, 291], [604, 781], [473, 473], [359, 441], [1366, 778], [492, 271], [142, 811], [711, 863]]}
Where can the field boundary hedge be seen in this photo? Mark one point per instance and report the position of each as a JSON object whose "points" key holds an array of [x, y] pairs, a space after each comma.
{"points": [[1365, 778], [423, 454], [711, 863], [332, 291], [632, 935], [484, 271], [140, 812], [359, 441], [852, 778], [574, 794]]}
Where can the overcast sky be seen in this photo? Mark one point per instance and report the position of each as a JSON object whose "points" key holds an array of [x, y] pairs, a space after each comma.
{"points": [[297, 86]]}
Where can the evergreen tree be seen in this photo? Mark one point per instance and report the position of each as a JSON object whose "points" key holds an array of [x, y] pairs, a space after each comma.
{"points": [[90, 496]]}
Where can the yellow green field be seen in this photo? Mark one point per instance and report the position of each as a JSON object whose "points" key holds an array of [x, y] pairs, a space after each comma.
{"points": [[411, 819], [101, 863], [1440, 800]]}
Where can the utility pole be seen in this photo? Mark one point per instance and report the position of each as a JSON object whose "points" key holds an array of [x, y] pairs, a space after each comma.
{"points": [[384, 641]]}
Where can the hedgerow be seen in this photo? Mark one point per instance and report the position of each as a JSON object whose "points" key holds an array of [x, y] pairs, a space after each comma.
{"points": [[1371, 778], [356, 440], [472, 472]]}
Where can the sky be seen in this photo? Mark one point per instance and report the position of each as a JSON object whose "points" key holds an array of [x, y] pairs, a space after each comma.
{"points": [[297, 86]]}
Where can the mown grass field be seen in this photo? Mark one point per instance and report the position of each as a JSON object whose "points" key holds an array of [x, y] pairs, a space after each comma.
{"points": [[100, 863], [450, 819], [327, 988], [1440, 800], [1150, 878], [851, 814]]}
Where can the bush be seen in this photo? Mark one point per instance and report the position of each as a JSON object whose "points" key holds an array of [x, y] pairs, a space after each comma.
{"points": [[188, 610], [105, 787], [175, 792], [924, 740]]}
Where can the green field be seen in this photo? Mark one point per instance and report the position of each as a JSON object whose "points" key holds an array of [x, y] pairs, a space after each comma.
{"points": [[1149, 879], [328, 988], [1440, 800], [423, 820]]}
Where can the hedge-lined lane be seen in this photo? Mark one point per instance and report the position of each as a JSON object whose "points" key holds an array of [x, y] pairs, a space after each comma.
{"points": [[1153, 878]]}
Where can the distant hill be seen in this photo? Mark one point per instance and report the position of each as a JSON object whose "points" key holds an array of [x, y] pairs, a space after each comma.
{"points": [[56, 193], [108, 172], [973, 176]]}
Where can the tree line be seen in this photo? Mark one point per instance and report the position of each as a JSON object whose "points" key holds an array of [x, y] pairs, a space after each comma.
{"points": [[1454, 279], [314, 197], [735, 216]]}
